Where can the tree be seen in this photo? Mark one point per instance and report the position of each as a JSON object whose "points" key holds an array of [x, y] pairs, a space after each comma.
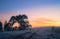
{"points": [[21, 19], [24, 22], [24, 16], [5, 25], [0, 25]]}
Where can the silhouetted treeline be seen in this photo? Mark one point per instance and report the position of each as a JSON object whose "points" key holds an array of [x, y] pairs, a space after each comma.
{"points": [[0, 26], [21, 19]]}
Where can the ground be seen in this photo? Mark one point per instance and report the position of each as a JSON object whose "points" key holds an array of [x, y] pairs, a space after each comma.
{"points": [[34, 33]]}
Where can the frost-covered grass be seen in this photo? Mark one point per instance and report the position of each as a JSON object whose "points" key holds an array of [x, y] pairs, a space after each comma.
{"points": [[34, 33]]}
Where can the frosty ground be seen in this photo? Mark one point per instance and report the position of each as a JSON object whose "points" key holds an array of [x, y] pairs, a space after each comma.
{"points": [[34, 33]]}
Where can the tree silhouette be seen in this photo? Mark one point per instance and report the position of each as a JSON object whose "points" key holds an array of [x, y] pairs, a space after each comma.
{"points": [[21, 19], [24, 22], [24, 16], [0, 26], [5, 25]]}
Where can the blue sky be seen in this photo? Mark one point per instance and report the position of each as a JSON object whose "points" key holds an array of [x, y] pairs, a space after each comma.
{"points": [[8, 5]]}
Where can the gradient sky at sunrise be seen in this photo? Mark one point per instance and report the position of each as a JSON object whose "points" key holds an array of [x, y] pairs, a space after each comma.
{"points": [[40, 12]]}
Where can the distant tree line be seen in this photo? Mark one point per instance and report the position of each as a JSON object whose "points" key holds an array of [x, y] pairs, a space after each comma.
{"points": [[21, 19]]}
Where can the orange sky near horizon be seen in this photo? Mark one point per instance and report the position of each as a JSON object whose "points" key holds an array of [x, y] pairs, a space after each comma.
{"points": [[41, 22], [38, 16], [44, 22]]}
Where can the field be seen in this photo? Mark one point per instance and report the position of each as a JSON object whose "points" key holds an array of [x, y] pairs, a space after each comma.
{"points": [[34, 33]]}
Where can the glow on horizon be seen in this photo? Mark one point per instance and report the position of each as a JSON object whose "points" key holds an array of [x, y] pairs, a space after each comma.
{"points": [[44, 22], [38, 17]]}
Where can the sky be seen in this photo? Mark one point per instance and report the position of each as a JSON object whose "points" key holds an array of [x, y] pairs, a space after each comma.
{"points": [[40, 12]]}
